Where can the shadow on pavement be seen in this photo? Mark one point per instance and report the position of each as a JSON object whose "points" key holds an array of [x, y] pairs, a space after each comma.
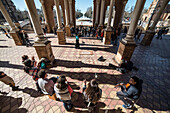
{"points": [[8, 65], [10, 104]]}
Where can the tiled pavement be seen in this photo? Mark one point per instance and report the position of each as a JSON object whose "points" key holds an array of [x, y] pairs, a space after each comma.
{"points": [[153, 63]]}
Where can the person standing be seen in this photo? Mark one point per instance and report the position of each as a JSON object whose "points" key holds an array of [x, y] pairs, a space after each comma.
{"points": [[77, 41], [160, 34], [6, 32], [25, 35]]}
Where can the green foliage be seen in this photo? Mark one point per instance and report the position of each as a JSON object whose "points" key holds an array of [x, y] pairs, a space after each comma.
{"points": [[89, 12], [78, 14]]}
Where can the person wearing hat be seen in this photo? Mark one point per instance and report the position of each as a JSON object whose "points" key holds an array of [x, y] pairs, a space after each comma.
{"points": [[8, 80]]}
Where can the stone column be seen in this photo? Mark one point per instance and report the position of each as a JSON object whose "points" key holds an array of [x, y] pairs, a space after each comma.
{"points": [[108, 31], [112, 3], [47, 7], [123, 10], [67, 27], [71, 13], [97, 12], [102, 14], [41, 45], [94, 12], [60, 32], [14, 31], [127, 45], [151, 32]]}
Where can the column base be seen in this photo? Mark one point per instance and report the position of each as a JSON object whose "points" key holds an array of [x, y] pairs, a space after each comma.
{"points": [[61, 37], [44, 50], [148, 38], [125, 51], [107, 37], [68, 31], [16, 37]]}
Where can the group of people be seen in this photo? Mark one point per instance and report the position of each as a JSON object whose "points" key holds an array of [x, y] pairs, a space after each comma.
{"points": [[83, 31], [59, 85]]}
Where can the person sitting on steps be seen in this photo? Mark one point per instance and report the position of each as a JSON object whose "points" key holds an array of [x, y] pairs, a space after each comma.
{"points": [[8, 80], [61, 89], [92, 93], [130, 90], [46, 85]]}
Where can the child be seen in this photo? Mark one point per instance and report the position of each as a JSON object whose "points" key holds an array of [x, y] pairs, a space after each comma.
{"points": [[8, 80]]}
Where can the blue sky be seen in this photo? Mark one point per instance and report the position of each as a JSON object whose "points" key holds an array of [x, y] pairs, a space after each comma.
{"points": [[80, 4]]}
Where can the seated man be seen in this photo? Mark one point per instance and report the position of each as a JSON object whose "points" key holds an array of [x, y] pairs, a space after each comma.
{"points": [[46, 85], [8, 80], [131, 90]]}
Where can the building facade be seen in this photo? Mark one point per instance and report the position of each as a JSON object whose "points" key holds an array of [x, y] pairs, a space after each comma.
{"points": [[11, 9]]}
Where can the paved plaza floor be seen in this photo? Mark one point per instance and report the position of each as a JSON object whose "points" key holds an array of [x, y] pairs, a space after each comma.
{"points": [[153, 63]]}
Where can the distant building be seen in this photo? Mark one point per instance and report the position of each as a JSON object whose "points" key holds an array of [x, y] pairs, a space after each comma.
{"points": [[11, 9], [154, 7]]}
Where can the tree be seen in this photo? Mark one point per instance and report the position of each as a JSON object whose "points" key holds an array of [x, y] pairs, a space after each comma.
{"points": [[78, 13], [88, 12]]}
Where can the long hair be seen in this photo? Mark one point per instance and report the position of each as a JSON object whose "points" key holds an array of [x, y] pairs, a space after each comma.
{"points": [[92, 91], [61, 83]]}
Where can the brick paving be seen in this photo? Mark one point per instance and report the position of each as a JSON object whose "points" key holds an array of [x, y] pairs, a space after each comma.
{"points": [[153, 63]]}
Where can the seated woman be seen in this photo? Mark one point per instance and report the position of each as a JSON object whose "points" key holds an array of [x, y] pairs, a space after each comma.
{"points": [[46, 85], [92, 93], [8, 80], [30, 67], [62, 92]]}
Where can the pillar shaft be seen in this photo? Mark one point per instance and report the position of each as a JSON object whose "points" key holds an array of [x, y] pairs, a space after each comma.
{"points": [[136, 15], [47, 7], [97, 12], [123, 11], [112, 3], [66, 12], [58, 13], [35, 19], [158, 14], [7, 17], [41, 45], [71, 12], [102, 13], [118, 13], [127, 45], [149, 34]]}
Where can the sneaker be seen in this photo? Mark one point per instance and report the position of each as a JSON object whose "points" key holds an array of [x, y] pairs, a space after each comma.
{"points": [[127, 106]]}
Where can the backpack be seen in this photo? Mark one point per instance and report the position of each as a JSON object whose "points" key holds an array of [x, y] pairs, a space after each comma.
{"points": [[43, 65]]}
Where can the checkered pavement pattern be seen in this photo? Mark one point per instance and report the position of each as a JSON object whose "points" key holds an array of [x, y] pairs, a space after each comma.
{"points": [[153, 63]]}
